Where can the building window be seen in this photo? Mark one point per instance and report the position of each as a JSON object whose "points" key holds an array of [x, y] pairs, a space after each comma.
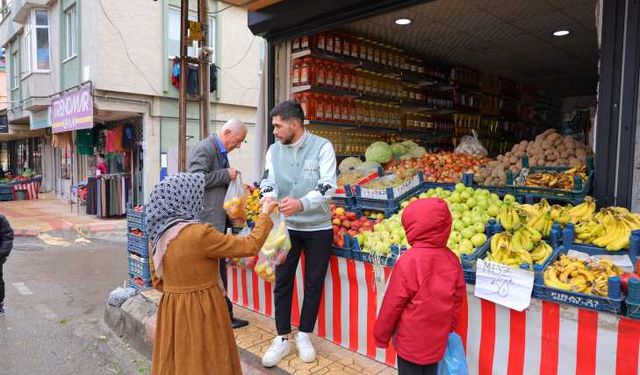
{"points": [[36, 43], [71, 26], [173, 45], [14, 70], [5, 9]]}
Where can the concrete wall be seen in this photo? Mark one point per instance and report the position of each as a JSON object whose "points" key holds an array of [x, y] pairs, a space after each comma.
{"points": [[123, 46]]}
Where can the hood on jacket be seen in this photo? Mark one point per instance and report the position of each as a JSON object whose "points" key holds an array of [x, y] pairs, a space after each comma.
{"points": [[427, 223]]}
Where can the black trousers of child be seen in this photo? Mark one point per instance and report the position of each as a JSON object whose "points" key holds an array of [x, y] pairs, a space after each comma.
{"points": [[409, 368], [317, 249], [2, 260]]}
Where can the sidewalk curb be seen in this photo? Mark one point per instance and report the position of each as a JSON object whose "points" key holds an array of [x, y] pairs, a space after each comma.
{"points": [[85, 229], [127, 321]]}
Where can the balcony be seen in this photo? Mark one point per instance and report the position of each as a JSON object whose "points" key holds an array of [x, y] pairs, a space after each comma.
{"points": [[8, 28], [20, 9]]}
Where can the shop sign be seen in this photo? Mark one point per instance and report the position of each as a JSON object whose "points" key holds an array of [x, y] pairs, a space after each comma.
{"points": [[4, 124], [39, 120], [72, 111]]}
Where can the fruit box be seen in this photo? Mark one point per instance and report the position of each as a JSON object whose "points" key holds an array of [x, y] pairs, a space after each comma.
{"points": [[363, 256], [135, 219], [346, 250], [611, 304], [347, 190], [398, 192], [569, 236]]}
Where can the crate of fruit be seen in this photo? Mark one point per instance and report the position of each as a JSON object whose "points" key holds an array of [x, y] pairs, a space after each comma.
{"points": [[554, 183], [375, 196], [342, 246], [137, 243], [539, 252], [138, 283], [387, 259], [623, 239], [139, 266], [589, 278], [136, 218]]}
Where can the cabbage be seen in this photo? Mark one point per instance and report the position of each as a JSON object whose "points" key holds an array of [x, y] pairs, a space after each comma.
{"points": [[418, 152], [349, 163], [410, 145], [398, 149], [379, 152]]}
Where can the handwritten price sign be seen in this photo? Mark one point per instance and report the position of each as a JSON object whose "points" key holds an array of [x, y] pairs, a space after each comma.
{"points": [[504, 285]]}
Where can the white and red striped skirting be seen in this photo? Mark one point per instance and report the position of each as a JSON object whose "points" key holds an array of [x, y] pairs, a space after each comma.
{"points": [[547, 338], [32, 188]]}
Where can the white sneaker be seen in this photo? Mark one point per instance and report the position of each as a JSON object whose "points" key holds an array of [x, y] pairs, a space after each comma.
{"points": [[306, 350], [279, 349]]}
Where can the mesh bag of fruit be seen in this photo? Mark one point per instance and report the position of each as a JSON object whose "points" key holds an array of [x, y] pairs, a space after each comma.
{"points": [[245, 262], [235, 201], [471, 145], [275, 249]]}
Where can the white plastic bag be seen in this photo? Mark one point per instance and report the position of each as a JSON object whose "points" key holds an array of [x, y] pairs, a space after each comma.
{"points": [[119, 296], [235, 201], [246, 262], [471, 145], [275, 249]]}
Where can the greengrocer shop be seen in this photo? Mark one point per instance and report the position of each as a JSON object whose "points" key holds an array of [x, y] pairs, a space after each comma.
{"points": [[517, 113]]}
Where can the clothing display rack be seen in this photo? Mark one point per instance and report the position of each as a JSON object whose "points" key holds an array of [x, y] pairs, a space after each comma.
{"points": [[107, 194]]}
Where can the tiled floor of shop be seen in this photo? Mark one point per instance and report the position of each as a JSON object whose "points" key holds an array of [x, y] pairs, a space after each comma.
{"points": [[332, 359]]}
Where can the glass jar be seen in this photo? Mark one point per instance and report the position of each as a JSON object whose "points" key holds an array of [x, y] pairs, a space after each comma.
{"points": [[295, 73], [363, 49], [304, 42], [337, 44], [320, 72], [346, 46], [320, 114], [304, 72], [295, 45], [329, 74], [330, 42], [308, 105], [321, 41], [337, 77]]}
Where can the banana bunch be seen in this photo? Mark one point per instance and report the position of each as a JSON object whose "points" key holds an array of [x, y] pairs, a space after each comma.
{"points": [[542, 215], [510, 217], [541, 222], [575, 275], [583, 211], [525, 245], [609, 228]]}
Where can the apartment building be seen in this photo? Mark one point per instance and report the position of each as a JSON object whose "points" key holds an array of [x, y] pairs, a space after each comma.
{"points": [[118, 58]]}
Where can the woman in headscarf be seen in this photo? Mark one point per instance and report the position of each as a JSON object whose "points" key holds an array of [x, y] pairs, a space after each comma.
{"points": [[193, 328]]}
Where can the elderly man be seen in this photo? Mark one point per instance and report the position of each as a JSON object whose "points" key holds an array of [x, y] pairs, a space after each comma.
{"points": [[210, 157]]}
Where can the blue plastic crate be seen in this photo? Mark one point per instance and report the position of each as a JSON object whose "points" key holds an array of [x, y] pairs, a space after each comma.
{"points": [[138, 282], [136, 219], [391, 201], [612, 303], [469, 260], [632, 310], [139, 266], [137, 245], [362, 256], [569, 235]]}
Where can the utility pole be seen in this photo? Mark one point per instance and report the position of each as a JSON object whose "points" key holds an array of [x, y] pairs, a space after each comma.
{"points": [[205, 54], [182, 99], [199, 34]]}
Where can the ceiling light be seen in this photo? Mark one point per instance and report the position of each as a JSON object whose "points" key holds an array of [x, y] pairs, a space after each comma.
{"points": [[561, 33], [403, 21]]}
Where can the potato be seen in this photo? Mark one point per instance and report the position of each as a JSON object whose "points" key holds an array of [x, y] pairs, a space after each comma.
{"points": [[562, 162]]}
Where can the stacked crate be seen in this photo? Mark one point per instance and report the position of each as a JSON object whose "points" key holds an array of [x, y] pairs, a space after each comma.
{"points": [[138, 250]]}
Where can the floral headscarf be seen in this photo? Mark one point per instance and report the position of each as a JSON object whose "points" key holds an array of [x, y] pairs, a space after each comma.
{"points": [[176, 199]]}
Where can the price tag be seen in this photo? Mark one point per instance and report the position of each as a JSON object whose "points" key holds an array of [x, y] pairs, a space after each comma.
{"points": [[504, 285]]}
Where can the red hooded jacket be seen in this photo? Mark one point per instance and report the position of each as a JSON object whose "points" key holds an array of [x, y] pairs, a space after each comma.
{"points": [[423, 298]]}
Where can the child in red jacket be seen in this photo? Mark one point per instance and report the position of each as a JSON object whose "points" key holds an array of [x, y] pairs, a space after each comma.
{"points": [[422, 302]]}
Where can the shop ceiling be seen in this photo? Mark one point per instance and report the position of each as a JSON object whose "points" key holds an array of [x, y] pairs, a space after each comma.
{"points": [[511, 38]]}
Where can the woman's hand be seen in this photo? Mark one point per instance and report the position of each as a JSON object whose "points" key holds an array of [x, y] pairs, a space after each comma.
{"points": [[268, 206]]}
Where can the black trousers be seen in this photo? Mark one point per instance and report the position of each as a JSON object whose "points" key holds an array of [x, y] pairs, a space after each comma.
{"points": [[2, 260], [409, 368], [223, 276], [317, 249]]}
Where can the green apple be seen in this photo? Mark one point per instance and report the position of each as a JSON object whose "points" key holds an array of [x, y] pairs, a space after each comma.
{"points": [[423, 195], [460, 186], [466, 246], [458, 225], [464, 196], [455, 197], [479, 227], [456, 214], [493, 210], [495, 197], [478, 239], [509, 199], [467, 220], [471, 202], [468, 232]]}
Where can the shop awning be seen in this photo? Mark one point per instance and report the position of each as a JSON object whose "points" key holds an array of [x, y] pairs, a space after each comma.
{"points": [[289, 18]]}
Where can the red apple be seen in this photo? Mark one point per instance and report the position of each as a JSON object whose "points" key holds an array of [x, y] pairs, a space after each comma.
{"points": [[346, 224]]}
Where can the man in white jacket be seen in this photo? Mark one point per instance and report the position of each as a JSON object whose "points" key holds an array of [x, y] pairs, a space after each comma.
{"points": [[301, 175]]}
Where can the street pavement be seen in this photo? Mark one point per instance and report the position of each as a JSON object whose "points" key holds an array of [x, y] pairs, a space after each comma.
{"points": [[55, 304]]}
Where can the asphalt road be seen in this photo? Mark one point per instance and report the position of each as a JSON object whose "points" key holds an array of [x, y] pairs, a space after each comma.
{"points": [[55, 302]]}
